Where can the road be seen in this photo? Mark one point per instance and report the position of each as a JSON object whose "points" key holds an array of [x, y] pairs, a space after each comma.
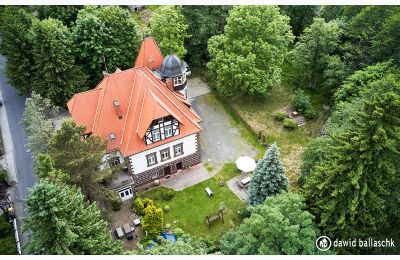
{"points": [[15, 105]]}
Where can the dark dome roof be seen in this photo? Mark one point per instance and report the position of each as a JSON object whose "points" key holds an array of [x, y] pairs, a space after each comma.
{"points": [[172, 66]]}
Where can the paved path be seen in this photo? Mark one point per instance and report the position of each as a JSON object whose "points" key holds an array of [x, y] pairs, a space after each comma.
{"points": [[187, 178], [220, 140], [14, 105], [241, 193]]}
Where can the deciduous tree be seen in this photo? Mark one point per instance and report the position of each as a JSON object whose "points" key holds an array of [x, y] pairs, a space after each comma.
{"points": [[106, 39], [61, 223], [56, 76], [268, 178], [281, 225], [169, 28], [301, 16], [45, 169], [65, 13]]}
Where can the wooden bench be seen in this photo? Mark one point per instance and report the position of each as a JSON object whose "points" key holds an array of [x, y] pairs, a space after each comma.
{"points": [[219, 214], [120, 234], [209, 192]]}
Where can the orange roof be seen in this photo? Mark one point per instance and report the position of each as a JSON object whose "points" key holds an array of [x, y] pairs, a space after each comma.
{"points": [[149, 55], [142, 98]]}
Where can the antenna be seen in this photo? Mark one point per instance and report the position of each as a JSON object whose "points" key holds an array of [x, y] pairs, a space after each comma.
{"points": [[105, 64]]}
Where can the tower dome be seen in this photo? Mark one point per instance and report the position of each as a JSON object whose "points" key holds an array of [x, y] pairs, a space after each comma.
{"points": [[172, 66]]}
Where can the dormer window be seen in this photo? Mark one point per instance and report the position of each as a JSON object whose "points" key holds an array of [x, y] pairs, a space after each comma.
{"points": [[112, 137], [168, 131], [178, 81], [156, 135]]}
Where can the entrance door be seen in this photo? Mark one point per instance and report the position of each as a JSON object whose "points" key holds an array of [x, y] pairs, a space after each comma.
{"points": [[167, 170], [179, 166]]}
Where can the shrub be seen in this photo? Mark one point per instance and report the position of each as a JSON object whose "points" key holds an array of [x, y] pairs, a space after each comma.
{"points": [[178, 232], [138, 206], [167, 194], [147, 202], [116, 204], [310, 113], [289, 124], [280, 115], [301, 101], [167, 208], [7, 240], [3, 175], [244, 212]]}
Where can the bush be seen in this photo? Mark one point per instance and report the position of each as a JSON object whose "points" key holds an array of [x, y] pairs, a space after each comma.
{"points": [[138, 206], [116, 204], [3, 175], [167, 194], [178, 232], [289, 124], [310, 113], [7, 241], [301, 101], [147, 202], [244, 213], [167, 208], [280, 116]]}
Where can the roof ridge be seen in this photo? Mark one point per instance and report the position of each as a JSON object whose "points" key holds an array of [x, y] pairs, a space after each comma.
{"points": [[167, 89], [101, 96], [129, 106]]}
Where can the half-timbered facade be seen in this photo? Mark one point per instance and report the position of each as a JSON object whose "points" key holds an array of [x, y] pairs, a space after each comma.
{"points": [[149, 125]]}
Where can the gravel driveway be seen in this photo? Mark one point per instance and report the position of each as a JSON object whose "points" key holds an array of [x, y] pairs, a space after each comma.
{"points": [[220, 140]]}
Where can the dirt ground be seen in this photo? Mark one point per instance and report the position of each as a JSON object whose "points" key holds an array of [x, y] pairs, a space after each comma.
{"points": [[119, 218]]}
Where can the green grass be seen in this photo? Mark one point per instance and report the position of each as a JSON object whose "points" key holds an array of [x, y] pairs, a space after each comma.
{"points": [[258, 116], [190, 206]]}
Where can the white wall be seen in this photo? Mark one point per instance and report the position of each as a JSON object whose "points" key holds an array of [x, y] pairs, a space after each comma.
{"points": [[139, 160]]}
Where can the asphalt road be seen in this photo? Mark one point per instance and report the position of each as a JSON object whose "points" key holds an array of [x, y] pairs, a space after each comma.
{"points": [[15, 105]]}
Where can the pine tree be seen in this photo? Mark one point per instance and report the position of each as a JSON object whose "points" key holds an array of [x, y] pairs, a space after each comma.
{"points": [[62, 223], [268, 178], [44, 169], [56, 77], [349, 192], [38, 126], [16, 45]]}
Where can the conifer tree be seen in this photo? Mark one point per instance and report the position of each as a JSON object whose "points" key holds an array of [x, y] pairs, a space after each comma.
{"points": [[16, 45], [268, 178], [62, 223], [349, 192], [153, 221], [56, 77]]}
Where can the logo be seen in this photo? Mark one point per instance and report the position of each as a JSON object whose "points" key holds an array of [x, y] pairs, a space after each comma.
{"points": [[323, 243]]}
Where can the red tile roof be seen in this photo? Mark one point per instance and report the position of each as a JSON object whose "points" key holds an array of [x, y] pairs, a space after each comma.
{"points": [[149, 55], [142, 98]]}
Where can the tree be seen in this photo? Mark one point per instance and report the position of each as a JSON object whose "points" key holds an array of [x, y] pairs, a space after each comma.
{"points": [[332, 12], [80, 159], [203, 22], [105, 39], [62, 223], [385, 45], [169, 29], [185, 245], [281, 225], [301, 16], [268, 178], [349, 191], [37, 122], [65, 13], [362, 30], [308, 58], [153, 221], [44, 168], [16, 45], [248, 56], [354, 85], [56, 77]]}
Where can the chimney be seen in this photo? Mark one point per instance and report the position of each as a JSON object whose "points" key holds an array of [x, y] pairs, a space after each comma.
{"points": [[105, 73], [169, 83], [118, 109]]}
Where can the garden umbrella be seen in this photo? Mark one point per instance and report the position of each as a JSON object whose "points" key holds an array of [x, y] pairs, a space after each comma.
{"points": [[246, 164]]}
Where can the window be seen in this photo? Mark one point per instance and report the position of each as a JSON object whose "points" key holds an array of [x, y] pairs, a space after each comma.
{"points": [[165, 154], [168, 131], [177, 81], [156, 135], [112, 136], [178, 149], [151, 159], [114, 161]]}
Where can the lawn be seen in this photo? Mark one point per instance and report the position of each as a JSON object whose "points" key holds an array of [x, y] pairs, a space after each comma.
{"points": [[258, 115], [190, 206]]}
